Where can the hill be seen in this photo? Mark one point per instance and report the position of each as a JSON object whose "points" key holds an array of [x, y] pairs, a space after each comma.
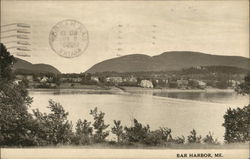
{"points": [[22, 66], [167, 61]]}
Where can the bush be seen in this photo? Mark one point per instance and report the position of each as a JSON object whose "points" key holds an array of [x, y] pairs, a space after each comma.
{"points": [[154, 138], [136, 133], [179, 140], [193, 137], [83, 134], [209, 139]]}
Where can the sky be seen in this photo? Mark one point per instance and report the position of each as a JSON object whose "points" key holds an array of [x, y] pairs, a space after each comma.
{"points": [[118, 28]]}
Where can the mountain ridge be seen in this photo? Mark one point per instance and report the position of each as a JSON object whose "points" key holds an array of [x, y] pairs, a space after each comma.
{"points": [[167, 61], [24, 66]]}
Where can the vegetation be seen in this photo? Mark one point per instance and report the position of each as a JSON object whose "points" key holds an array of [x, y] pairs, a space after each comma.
{"points": [[19, 127], [194, 138], [99, 126], [237, 121], [16, 124], [6, 63], [53, 128], [83, 133], [117, 130]]}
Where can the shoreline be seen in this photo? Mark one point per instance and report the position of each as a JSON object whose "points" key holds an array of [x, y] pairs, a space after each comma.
{"points": [[132, 89], [176, 89]]}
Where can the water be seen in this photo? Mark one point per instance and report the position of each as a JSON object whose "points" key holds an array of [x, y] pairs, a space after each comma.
{"points": [[180, 111]]}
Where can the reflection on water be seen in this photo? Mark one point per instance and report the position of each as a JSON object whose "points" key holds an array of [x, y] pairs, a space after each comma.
{"points": [[218, 97], [158, 109]]}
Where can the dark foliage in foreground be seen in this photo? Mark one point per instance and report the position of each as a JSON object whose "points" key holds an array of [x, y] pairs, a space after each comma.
{"points": [[237, 121]]}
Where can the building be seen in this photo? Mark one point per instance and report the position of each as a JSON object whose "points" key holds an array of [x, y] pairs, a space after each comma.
{"points": [[197, 84], [131, 79], [71, 79], [30, 78], [114, 80], [96, 79], [44, 79], [76, 79], [233, 83], [146, 84], [182, 83], [20, 77], [201, 84], [165, 81], [17, 81]]}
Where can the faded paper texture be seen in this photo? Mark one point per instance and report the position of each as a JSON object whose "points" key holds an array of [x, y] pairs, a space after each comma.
{"points": [[125, 79]]}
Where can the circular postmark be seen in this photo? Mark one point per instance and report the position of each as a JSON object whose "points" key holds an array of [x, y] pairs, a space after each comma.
{"points": [[69, 38]]}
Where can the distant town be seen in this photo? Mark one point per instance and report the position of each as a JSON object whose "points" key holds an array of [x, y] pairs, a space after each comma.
{"points": [[200, 77]]}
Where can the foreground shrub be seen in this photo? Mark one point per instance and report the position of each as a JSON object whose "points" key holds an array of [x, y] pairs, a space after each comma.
{"points": [[54, 128], [193, 137], [83, 134], [179, 140], [237, 125], [209, 139], [136, 133]]}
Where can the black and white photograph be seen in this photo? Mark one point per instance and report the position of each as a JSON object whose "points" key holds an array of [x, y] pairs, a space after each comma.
{"points": [[82, 79]]}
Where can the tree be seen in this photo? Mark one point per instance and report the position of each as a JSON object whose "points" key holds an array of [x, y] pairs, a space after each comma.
{"points": [[99, 126], [54, 128], [193, 137], [16, 123], [244, 87], [117, 130], [6, 63], [237, 124], [237, 121]]}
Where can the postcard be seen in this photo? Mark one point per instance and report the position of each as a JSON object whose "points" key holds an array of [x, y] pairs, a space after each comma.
{"points": [[165, 79]]}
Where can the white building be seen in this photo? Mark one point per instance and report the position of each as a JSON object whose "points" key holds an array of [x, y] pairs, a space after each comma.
{"points": [[146, 84]]}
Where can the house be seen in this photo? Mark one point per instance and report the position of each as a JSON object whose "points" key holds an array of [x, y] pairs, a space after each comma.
{"points": [[30, 78], [182, 83], [44, 79], [201, 84], [71, 79], [17, 81], [96, 79], [64, 79], [146, 84], [131, 79], [53, 85], [114, 80], [20, 77], [198, 67], [233, 83], [197, 84], [27, 77], [165, 81], [76, 79]]}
